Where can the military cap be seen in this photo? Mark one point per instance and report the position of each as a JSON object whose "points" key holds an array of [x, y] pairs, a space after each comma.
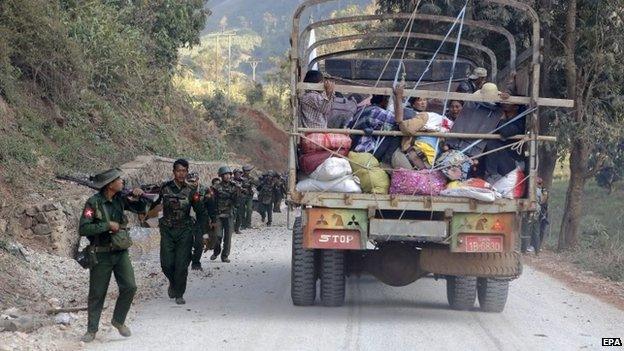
{"points": [[248, 168], [237, 170], [224, 170], [102, 179]]}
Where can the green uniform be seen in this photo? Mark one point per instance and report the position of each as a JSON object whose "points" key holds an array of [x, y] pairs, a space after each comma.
{"points": [[265, 196], [201, 229], [94, 224], [226, 195], [248, 182], [239, 207], [177, 229], [278, 194]]}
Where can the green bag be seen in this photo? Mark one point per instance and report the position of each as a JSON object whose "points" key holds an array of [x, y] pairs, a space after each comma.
{"points": [[120, 240]]}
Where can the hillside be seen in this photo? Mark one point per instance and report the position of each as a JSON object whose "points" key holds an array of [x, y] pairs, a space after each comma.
{"points": [[271, 19]]}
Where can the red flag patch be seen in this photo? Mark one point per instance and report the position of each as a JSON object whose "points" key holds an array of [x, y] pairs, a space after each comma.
{"points": [[88, 213], [196, 197]]}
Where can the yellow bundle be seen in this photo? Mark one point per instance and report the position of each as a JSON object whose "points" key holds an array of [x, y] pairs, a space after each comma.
{"points": [[373, 179]]}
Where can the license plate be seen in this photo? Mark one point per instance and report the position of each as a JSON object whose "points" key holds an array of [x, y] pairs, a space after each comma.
{"points": [[335, 239], [483, 243]]}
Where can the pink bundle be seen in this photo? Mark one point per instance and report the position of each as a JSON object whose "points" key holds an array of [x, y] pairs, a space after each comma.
{"points": [[316, 141], [423, 182]]}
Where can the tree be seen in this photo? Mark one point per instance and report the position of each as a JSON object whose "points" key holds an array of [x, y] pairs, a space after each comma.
{"points": [[594, 31]]}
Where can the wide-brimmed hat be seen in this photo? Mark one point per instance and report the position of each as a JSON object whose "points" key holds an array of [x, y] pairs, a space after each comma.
{"points": [[478, 72], [489, 90], [102, 179]]}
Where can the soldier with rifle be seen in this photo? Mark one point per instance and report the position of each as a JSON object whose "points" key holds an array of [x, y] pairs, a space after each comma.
{"points": [[266, 191], [103, 222], [201, 231]]}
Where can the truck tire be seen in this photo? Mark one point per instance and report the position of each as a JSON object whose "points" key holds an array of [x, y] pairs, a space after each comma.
{"points": [[461, 292], [303, 270], [332, 277], [492, 294]]}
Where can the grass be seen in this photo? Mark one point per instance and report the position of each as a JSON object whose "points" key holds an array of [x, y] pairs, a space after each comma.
{"points": [[601, 237]]}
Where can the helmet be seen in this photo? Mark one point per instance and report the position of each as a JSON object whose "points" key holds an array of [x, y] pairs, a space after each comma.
{"points": [[224, 170], [237, 170], [248, 168]]}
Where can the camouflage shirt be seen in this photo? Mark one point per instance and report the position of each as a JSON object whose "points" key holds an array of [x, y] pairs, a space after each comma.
{"points": [[227, 195], [177, 203], [266, 190], [248, 182]]}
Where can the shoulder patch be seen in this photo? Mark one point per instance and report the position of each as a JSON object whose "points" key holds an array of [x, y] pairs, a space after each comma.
{"points": [[196, 197], [88, 212]]}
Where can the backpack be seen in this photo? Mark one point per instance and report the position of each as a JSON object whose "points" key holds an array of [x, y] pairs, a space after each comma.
{"points": [[343, 109]]}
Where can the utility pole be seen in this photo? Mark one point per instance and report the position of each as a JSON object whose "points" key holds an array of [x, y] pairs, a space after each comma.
{"points": [[229, 66], [254, 64]]}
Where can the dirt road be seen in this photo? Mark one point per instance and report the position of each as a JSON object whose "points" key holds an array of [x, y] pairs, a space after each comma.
{"points": [[245, 305]]}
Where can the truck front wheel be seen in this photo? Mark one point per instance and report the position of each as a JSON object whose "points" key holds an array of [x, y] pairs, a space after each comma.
{"points": [[303, 270], [492, 294], [332, 277], [461, 292]]}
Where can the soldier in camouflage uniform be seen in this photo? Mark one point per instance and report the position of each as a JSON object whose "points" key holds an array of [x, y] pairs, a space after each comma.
{"points": [[278, 193], [177, 228], [248, 184], [239, 207], [266, 190], [199, 236], [227, 194], [102, 218]]}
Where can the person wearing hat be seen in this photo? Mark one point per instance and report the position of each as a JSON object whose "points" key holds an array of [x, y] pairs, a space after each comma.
{"points": [[178, 228], [474, 82], [226, 194], [266, 193], [248, 184], [239, 206], [103, 222]]}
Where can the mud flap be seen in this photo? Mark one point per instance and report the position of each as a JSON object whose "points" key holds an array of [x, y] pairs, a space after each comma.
{"points": [[439, 260]]}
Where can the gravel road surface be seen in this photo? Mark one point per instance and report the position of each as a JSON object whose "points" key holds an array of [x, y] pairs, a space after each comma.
{"points": [[245, 305]]}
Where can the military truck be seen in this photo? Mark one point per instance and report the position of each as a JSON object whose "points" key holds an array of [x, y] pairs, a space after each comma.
{"points": [[401, 238]]}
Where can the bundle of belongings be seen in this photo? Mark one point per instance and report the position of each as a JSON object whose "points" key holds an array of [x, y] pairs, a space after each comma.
{"points": [[414, 164]]}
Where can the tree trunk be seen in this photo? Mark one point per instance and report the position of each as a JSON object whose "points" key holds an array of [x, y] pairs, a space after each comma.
{"points": [[579, 155], [579, 159]]}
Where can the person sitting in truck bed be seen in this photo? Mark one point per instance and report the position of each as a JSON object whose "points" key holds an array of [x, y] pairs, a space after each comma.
{"points": [[500, 163], [474, 82], [315, 107], [377, 117]]}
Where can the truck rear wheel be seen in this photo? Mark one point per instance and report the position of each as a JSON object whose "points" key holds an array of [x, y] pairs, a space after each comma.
{"points": [[461, 292], [303, 270], [492, 294], [332, 277]]}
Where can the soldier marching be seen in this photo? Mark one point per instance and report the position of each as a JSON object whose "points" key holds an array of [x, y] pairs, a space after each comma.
{"points": [[224, 207]]}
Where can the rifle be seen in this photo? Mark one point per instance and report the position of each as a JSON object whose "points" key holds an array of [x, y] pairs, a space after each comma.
{"points": [[150, 191]]}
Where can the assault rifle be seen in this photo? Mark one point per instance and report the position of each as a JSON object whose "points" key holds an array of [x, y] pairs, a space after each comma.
{"points": [[150, 191]]}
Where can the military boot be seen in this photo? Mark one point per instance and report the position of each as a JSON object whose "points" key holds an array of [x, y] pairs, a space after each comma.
{"points": [[122, 328], [180, 300], [88, 337], [196, 267]]}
